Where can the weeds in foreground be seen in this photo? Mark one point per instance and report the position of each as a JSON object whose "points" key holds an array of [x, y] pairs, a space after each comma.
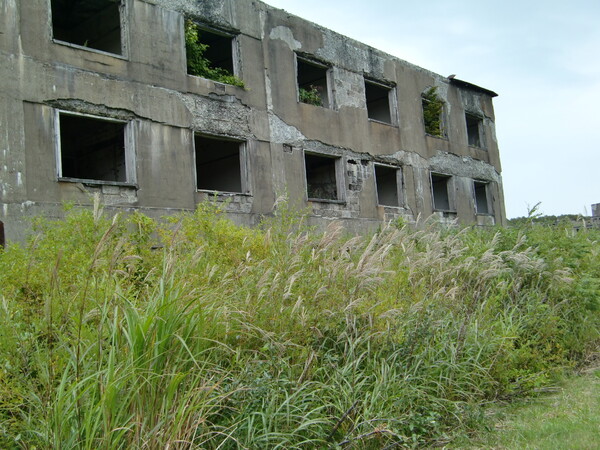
{"points": [[197, 333]]}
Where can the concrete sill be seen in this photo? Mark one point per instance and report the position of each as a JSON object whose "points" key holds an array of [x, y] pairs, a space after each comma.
{"points": [[383, 123], [443, 138], [223, 193], [86, 182], [478, 148], [89, 49], [324, 200]]}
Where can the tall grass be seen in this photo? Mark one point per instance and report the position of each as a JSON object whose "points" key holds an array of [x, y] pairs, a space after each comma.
{"points": [[196, 333]]}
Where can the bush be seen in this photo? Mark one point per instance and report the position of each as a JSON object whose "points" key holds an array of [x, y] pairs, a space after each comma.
{"points": [[127, 333]]}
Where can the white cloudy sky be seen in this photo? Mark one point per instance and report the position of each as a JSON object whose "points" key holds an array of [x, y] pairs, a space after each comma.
{"points": [[541, 57]]}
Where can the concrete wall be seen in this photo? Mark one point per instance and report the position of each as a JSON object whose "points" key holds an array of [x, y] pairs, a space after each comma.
{"points": [[147, 88]]}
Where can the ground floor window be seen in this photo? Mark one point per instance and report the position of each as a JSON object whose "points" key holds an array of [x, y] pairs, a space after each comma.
{"points": [[482, 203], [440, 191], [322, 179], [388, 181], [219, 164]]}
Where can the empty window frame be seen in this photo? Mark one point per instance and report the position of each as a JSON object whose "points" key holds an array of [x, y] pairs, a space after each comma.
{"points": [[433, 113], [323, 177], [379, 102], [313, 87], [95, 24], [474, 130], [93, 149], [440, 192], [482, 197], [220, 164], [210, 53], [388, 182]]}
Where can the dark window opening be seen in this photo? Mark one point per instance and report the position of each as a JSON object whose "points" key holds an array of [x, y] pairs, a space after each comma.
{"points": [[210, 54], [474, 130], [439, 191], [433, 108], [92, 148], [378, 102], [89, 23], [312, 83], [321, 177], [218, 164], [2, 239], [386, 179], [481, 197]]}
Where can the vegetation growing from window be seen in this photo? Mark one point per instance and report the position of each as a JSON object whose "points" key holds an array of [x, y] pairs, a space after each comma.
{"points": [[312, 96], [128, 333], [198, 64], [433, 108]]}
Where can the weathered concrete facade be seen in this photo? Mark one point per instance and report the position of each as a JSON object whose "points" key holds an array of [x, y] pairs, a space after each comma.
{"points": [[115, 112]]}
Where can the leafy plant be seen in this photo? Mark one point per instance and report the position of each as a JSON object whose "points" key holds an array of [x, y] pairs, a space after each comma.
{"points": [[198, 64], [312, 96], [126, 332], [433, 107]]}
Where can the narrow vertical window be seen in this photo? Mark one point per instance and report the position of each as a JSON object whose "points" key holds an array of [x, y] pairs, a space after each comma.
{"points": [[482, 203], [219, 164], [440, 192], [377, 97], [312, 83], [433, 109], [95, 24], [474, 130], [322, 182], [2, 239], [388, 182]]}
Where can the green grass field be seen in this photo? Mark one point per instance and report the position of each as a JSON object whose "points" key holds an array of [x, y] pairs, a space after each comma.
{"points": [[568, 418], [121, 333]]}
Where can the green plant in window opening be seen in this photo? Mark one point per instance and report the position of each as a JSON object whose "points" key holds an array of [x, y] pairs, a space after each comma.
{"points": [[198, 64], [433, 107], [312, 96]]}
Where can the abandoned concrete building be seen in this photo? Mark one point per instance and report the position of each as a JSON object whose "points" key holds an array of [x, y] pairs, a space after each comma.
{"points": [[157, 105]]}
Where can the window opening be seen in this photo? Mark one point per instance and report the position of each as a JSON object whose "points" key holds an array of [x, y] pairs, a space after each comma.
{"points": [[92, 148], [378, 102], [312, 83], [210, 54], [439, 190], [94, 24], [433, 108], [2, 239], [474, 130], [321, 177], [386, 179], [481, 197], [218, 164]]}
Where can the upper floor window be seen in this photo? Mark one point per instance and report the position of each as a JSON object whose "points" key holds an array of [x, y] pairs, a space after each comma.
{"points": [[380, 104], [433, 113], [93, 149], [474, 130], [95, 24], [313, 87], [211, 54]]}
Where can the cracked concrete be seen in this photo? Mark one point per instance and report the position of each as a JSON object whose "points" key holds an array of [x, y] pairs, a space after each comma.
{"points": [[146, 86]]}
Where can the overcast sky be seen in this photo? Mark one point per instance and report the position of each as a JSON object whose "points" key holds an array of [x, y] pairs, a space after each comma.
{"points": [[541, 57]]}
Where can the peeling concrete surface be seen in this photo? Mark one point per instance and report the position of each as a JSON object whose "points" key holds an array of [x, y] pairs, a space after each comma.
{"points": [[147, 87]]}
